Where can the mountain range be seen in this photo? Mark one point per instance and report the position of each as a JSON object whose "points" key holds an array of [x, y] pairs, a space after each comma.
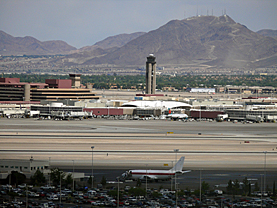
{"points": [[28, 45], [203, 40], [208, 41], [268, 33]]}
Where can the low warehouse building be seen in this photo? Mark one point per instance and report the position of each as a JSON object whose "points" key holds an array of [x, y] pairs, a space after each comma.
{"points": [[27, 167]]}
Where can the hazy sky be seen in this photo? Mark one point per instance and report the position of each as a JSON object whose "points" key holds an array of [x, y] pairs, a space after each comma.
{"points": [[84, 22]]}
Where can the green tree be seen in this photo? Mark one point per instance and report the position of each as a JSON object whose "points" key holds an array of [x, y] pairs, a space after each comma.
{"points": [[205, 186], [137, 191], [138, 183], [16, 178], [236, 187], [179, 81], [257, 188], [38, 178], [230, 187], [114, 193], [68, 180], [89, 181], [245, 186], [158, 194], [57, 175], [103, 181]]}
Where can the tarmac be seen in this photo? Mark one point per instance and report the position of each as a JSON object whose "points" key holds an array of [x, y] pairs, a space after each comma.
{"points": [[125, 144]]}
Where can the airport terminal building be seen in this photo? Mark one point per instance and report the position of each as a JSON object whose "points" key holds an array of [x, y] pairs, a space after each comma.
{"points": [[27, 167], [11, 89]]}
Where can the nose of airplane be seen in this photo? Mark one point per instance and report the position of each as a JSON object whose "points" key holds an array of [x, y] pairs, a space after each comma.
{"points": [[124, 175]]}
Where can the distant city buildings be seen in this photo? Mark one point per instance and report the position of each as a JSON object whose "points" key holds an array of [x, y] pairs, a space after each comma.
{"points": [[62, 99], [11, 89]]}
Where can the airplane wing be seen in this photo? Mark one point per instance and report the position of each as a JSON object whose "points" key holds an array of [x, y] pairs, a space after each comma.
{"points": [[182, 172], [149, 177], [187, 171]]}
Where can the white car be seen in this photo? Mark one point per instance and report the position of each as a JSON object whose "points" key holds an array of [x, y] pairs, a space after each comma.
{"points": [[53, 198], [22, 186]]}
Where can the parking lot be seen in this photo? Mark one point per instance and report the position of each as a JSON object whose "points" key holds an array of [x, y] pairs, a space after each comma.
{"points": [[49, 196]]}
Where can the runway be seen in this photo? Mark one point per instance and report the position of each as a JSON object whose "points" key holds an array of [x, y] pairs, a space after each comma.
{"points": [[121, 144]]}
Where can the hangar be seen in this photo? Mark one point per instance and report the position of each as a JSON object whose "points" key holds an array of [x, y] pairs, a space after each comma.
{"points": [[157, 104], [145, 108]]}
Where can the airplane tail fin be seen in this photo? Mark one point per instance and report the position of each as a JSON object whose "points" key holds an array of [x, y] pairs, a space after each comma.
{"points": [[179, 165]]}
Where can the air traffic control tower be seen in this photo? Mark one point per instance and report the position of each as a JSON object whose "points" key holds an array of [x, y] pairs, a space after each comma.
{"points": [[151, 74]]}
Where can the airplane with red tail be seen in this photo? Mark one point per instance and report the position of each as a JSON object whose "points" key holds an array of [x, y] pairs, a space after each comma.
{"points": [[156, 175]]}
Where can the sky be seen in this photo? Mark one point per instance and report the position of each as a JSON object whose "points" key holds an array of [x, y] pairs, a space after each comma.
{"points": [[84, 22]]}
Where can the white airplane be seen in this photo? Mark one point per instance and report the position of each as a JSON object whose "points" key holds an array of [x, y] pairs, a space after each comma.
{"points": [[178, 116], [156, 174]]}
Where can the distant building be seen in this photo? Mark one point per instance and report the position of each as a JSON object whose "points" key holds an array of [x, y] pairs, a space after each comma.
{"points": [[265, 112], [201, 90], [151, 75], [11, 89], [58, 83], [157, 104], [145, 108], [58, 110], [75, 80], [27, 167]]}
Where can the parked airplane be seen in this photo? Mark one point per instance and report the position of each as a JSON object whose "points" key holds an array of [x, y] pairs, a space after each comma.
{"points": [[156, 174], [178, 116]]}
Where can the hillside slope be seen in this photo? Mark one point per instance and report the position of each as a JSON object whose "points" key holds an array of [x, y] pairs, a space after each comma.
{"points": [[10, 45], [202, 40]]}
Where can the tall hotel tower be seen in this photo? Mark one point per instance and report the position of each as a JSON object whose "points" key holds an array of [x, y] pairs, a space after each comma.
{"points": [[151, 74]]}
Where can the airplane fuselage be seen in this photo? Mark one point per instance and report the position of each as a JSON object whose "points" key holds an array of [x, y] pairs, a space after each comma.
{"points": [[155, 174], [151, 174]]}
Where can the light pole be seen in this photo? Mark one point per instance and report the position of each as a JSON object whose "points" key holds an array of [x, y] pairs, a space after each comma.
{"points": [[171, 176], [117, 191], [60, 187], [50, 172], [176, 151], [200, 185], [118, 182], [92, 147], [261, 190], [265, 170], [73, 176], [146, 181], [26, 195]]}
